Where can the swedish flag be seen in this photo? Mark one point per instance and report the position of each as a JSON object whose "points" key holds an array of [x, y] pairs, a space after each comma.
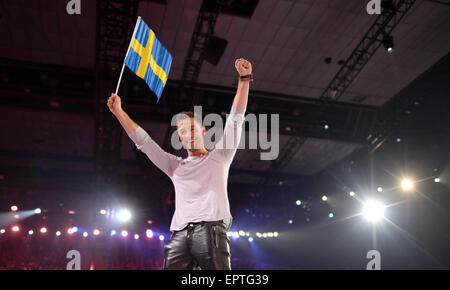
{"points": [[148, 58]]}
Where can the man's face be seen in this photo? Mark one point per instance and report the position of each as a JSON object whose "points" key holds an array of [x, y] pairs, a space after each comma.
{"points": [[191, 134]]}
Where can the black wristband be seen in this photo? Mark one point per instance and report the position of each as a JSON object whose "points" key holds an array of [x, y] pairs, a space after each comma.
{"points": [[246, 77]]}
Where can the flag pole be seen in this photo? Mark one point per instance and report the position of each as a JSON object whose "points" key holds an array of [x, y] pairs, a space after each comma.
{"points": [[123, 66]]}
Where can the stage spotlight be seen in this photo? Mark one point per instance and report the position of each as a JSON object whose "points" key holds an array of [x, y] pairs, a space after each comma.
{"points": [[373, 210], [43, 230], [30, 232], [14, 208], [70, 231], [15, 228], [270, 235], [85, 234], [161, 238], [351, 193], [16, 216], [258, 235], [37, 211], [326, 127], [58, 233], [103, 211], [250, 239], [298, 202], [2, 231], [149, 233], [241, 233], [136, 236], [124, 215], [96, 232], [437, 179], [388, 43], [290, 222], [275, 234], [264, 235], [74, 229], [324, 198], [407, 184], [113, 232], [229, 234], [331, 215], [236, 235], [124, 233], [379, 189]]}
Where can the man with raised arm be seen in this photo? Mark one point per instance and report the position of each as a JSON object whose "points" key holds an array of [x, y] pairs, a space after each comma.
{"points": [[202, 212]]}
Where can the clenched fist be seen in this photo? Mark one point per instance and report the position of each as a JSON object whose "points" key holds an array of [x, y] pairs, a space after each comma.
{"points": [[243, 67], [114, 104]]}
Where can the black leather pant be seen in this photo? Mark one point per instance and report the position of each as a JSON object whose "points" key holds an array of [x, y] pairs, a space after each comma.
{"points": [[203, 244]]}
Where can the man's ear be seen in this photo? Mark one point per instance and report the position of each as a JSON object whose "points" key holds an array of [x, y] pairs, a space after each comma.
{"points": [[203, 130]]}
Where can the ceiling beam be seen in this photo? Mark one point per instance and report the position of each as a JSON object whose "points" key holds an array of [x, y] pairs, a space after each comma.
{"points": [[71, 90]]}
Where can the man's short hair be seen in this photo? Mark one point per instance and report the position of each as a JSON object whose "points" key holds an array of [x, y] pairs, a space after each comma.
{"points": [[187, 114]]}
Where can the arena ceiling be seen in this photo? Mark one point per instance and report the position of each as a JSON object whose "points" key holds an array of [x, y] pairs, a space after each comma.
{"points": [[286, 41]]}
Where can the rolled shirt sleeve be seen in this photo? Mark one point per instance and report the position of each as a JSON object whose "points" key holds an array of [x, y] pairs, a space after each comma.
{"points": [[163, 160]]}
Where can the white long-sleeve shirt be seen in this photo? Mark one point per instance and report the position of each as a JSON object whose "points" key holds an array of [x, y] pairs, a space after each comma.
{"points": [[200, 181]]}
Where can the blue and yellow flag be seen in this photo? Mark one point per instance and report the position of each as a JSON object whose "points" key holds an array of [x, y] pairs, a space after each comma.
{"points": [[148, 58]]}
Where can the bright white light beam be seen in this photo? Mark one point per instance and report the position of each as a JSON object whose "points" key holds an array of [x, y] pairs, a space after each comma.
{"points": [[373, 210]]}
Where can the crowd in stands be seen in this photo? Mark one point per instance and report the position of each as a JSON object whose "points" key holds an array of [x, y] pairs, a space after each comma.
{"points": [[50, 253]]}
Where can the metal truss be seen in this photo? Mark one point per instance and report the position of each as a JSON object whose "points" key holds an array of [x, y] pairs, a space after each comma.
{"points": [[115, 22], [203, 30], [383, 25]]}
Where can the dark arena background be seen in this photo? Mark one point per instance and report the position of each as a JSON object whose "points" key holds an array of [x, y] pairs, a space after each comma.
{"points": [[362, 176]]}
